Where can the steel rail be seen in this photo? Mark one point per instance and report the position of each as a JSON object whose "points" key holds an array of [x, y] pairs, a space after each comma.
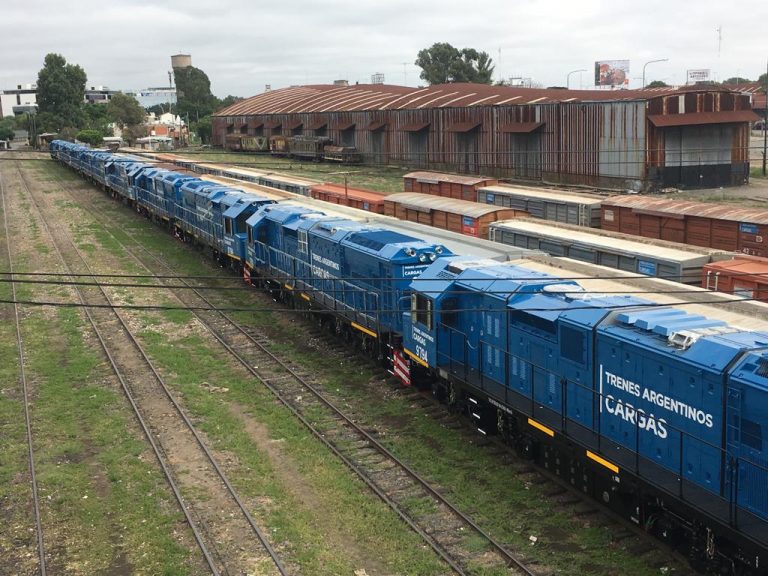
{"points": [[147, 430], [25, 397], [510, 558]]}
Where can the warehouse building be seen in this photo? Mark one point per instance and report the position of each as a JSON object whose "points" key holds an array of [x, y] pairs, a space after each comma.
{"points": [[629, 140]]}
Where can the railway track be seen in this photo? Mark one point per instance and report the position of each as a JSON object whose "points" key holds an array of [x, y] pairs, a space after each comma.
{"points": [[42, 567], [452, 534], [218, 517]]}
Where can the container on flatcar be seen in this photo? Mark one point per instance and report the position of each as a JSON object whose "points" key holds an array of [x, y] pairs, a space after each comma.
{"points": [[460, 216], [714, 225], [346, 196], [669, 260], [745, 276], [447, 185], [548, 204]]}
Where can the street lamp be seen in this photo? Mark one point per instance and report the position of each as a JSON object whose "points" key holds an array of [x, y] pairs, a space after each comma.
{"points": [[651, 62], [568, 78]]}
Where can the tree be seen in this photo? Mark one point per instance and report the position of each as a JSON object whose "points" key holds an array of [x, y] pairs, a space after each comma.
{"points": [[92, 137], [763, 78], [60, 94], [97, 118], [125, 110], [7, 126], [443, 63], [204, 129], [132, 133], [229, 100], [737, 80], [159, 109], [657, 84], [193, 91]]}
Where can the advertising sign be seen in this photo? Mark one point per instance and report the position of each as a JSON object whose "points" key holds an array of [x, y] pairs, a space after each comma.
{"points": [[612, 73], [698, 75]]}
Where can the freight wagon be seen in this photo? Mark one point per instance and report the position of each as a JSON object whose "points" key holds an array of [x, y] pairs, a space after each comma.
{"points": [[468, 218], [669, 260], [745, 276], [554, 205], [245, 143], [346, 196], [448, 185], [714, 225]]}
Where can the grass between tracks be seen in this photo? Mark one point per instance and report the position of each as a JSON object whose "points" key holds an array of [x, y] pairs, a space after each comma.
{"points": [[319, 514], [105, 507], [477, 483], [380, 178]]}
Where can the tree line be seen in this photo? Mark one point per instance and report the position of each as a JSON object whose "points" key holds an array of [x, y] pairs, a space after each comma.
{"points": [[62, 109]]}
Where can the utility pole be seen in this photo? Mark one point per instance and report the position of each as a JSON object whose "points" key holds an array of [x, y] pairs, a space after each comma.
{"points": [[765, 120]]}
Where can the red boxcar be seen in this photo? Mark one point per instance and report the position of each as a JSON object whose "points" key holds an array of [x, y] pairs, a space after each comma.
{"points": [[346, 196], [461, 216], [721, 226], [745, 276], [447, 185]]}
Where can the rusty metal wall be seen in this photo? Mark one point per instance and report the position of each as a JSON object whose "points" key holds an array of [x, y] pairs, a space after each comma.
{"points": [[601, 143]]}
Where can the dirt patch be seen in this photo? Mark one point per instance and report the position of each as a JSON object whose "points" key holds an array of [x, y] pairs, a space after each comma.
{"points": [[303, 492]]}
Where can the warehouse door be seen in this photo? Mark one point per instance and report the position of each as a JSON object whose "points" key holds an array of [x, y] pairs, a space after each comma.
{"points": [[418, 148], [698, 156], [525, 149], [377, 147], [467, 148]]}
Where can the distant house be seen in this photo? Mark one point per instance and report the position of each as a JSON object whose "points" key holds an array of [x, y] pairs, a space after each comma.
{"points": [[19, 100]]}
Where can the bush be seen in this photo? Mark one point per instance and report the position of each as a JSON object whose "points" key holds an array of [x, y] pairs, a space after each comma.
{"points": [[92, 137]]}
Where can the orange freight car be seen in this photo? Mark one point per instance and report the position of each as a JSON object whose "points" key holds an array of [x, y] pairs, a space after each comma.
{"points": [[346, 196], [470, 218], [745, 276], [447, 185], [721, 226]]}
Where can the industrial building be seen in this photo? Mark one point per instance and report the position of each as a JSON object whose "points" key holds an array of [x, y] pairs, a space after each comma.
{"points": [[638, 140]]}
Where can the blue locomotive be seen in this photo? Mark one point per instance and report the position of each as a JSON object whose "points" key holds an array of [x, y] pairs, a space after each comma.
{"points": [[658, 413]]}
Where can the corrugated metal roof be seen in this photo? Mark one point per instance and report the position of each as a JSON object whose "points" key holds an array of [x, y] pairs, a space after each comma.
{"points": [[329, 98], [545, 194], [664, 120], [755, 268], [614, 241], [681, 208], [428, 202], [435, 177], [354, 193]]}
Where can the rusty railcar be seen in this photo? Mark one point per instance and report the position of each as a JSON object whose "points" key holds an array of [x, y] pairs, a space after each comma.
{"points": [[446, 185], [461, 216], [719, 226], [348, 196]]}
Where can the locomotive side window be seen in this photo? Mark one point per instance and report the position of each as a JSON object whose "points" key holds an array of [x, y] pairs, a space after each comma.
{"points": [[449, 315], [228, 225], [302, 241], [421, 310], [751, 434]]}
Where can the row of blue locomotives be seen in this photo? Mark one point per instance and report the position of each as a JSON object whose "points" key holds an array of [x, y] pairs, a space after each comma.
{"points": [[679, 398], [649, 406]]}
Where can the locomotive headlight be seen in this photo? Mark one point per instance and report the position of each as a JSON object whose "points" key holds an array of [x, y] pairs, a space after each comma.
{"points": [[422, 257], [432, 257], [438, 250], [410, 251]]}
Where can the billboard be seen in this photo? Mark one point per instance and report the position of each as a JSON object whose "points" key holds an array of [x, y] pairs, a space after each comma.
{"points": [[612, 73], [698, 75]]}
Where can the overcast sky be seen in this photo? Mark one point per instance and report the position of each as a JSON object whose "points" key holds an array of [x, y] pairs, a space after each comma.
{"points": [[242, 46]]}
